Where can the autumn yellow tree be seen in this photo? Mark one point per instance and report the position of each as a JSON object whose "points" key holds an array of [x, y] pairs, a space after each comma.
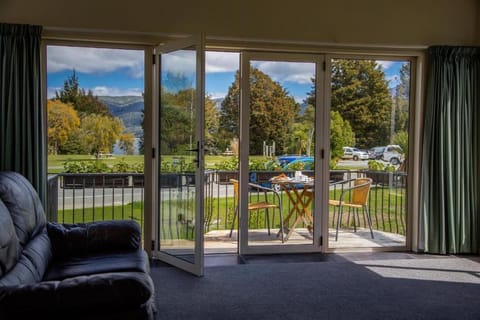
{"points": [[126, 142], [62, 121], [99, 133]]}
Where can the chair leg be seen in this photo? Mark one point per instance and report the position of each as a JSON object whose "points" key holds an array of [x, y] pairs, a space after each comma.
{"points": [[355, 220], [267, 213], [235, 213], [333, 219], [281, 223], [369, 219], [281, 231], [338, 221]]}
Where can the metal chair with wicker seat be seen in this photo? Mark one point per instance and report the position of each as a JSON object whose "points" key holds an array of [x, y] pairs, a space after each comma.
{"points": [[358, 199], [259, 205]]}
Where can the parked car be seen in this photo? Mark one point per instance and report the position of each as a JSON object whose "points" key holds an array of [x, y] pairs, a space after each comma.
{"points": [[286, 159], [376, 153], [354, 153], [304, 163], [393, 154]]}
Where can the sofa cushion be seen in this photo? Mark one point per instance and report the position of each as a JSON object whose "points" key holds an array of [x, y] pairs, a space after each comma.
{"points": [[133, 261], [9, 244], [83, 239], [32, 264], [24, 206]]}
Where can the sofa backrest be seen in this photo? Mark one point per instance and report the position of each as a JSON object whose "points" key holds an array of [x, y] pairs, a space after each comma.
{"points": [[22, 231], [24, 205], [9, 244]]}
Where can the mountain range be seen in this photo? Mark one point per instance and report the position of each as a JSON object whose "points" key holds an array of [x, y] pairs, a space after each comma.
{"points": [[130, 110], [127, 108]]}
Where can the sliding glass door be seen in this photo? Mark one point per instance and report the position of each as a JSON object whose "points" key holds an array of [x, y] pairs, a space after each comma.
{"points": [[281, 188], [180, 159]]}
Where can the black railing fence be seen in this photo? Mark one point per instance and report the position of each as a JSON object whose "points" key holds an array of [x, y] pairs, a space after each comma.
{"points": [[78, 198]]}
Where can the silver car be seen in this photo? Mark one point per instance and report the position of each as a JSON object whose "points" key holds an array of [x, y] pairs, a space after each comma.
{"points": [[354, 153]]}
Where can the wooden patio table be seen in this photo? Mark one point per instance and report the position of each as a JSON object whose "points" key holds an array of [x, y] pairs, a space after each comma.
{"points": [[300, 194]]}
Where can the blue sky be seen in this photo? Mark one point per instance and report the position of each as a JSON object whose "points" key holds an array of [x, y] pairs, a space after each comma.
{"points": [[120, 72]]}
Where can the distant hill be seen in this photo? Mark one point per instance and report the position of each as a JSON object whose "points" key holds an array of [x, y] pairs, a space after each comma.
{"points": [[127, 108], [218, 102]]}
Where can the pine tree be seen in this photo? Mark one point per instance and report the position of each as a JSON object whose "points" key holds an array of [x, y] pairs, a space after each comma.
{"points": [[70, 90], [361, 97]]}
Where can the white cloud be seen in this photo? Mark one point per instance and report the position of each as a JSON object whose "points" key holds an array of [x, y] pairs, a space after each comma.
{"points": [[299, 99], [385, 64], [102, 91], [51, 91], [94, 60], [217, 95], [221, 61], [299, 72], [179, 62], [108, 91]]}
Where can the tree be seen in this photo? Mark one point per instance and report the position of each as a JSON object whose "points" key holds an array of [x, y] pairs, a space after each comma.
{"points": [[341, 134], [84, 102], [177, 121], [229, 115], [302, 137], [99, 133], [87, 103], [141, 140], [401, 101], [211, 123], [126, 142], [70, 90], [361, 97], [272, 113], [360, 94], [62, 121]]}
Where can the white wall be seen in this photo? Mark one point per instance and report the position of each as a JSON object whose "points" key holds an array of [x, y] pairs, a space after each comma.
{"points": [[384, 22]]}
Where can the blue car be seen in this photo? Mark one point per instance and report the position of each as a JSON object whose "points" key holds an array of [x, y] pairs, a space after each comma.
{"points": [[308, 164], [286, 159]]}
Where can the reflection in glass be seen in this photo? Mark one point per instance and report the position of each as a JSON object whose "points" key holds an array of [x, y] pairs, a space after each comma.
{"points": [[177, 166]]}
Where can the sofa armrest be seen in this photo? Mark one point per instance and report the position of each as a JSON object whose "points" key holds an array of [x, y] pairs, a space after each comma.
{"points": [[79, 294], [95, 237]]}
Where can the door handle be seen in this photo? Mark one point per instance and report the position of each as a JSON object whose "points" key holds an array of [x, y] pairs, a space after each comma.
{"points": [[197, 150]]}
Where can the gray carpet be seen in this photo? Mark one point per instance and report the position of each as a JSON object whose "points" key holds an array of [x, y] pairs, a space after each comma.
{"points": [[335, 288]]}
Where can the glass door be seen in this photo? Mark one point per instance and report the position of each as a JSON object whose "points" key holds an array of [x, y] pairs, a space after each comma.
{"points": [[282, 153], [180, 160]]}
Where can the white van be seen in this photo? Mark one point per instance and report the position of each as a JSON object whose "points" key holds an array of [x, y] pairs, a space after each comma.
{"points": [[394, 154]]}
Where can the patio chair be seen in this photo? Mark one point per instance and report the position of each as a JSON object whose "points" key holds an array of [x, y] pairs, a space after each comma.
{"points": [[358, 199], [259, 205]]}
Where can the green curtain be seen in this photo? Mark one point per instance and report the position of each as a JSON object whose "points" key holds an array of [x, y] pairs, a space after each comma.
{"points": [[22, 119], [449, 213]]}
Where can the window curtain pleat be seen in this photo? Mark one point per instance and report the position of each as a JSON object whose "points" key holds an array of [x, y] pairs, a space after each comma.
{"points": [[22, 120], [449, 212]]}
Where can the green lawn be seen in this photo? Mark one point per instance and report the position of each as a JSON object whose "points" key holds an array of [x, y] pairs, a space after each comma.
{"points": [[387, 209]]}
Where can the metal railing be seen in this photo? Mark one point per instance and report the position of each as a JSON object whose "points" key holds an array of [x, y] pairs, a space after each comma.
{"points": [[78, 198], [88, 197]]}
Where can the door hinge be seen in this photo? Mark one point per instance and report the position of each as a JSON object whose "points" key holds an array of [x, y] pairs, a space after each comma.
{"points": [[324, 66], [153, 153], [322, 153], [154, 58], [321, 240], [153, 245]]}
